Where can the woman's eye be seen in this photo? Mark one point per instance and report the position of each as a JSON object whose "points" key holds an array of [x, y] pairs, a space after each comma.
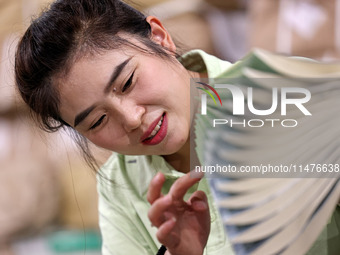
{"points": [[98, 122], [128, 83]]}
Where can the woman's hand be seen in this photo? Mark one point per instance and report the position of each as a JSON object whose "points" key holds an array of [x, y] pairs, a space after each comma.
{"points": [[183, 227]]}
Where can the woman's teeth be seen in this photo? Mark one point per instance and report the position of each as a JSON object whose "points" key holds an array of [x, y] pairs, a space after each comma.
{"points": [[156, 129]]}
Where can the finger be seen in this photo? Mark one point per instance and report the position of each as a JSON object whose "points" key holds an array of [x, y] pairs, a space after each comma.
{"points": [[197, 173], [181, 186], [163, 233], [155, 188], [199, 201], [157, 212]]}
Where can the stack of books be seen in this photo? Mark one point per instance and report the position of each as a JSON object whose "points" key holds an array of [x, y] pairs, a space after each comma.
{"points": [[271, 150]]}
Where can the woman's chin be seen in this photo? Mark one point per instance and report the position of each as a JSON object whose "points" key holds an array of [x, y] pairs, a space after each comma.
{"points": [[177, 147]]}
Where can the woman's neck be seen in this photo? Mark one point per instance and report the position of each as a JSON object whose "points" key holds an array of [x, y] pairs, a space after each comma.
{"points": [[183, 160], [186, 157]]}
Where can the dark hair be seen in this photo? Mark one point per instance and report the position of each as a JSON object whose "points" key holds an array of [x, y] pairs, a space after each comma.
{"points": [[68, 30]]}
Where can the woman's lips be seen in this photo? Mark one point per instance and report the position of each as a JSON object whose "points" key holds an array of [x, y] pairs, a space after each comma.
{"points": [[160, 134]]}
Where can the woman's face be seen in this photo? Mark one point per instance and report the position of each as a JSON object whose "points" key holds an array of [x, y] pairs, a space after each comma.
{"points": [[128, 102]]}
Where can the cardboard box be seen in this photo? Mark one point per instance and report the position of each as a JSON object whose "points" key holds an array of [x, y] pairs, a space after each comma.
{"points": [[296, 27]]}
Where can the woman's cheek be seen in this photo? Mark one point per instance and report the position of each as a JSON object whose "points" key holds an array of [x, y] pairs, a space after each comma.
{"points": [[103, 139]]}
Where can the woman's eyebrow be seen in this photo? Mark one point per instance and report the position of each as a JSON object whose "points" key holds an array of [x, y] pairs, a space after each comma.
{"points": [[116, 72], [81, 116]]}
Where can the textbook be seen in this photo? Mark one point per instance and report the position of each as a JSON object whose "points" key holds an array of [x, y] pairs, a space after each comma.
{"points": [[268, 138]]}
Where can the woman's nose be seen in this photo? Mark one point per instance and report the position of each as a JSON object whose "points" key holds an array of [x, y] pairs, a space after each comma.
{"points": [[131, 116]]}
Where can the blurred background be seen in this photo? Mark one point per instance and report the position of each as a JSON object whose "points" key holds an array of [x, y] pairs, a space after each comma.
{"points": [[48, 199]]}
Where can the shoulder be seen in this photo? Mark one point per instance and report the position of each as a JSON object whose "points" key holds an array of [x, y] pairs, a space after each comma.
{"points": [[200, 61], [126, 176]]}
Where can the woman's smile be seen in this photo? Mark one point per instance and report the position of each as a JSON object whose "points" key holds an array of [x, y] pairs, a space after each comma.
{"points": [[156, 132]]}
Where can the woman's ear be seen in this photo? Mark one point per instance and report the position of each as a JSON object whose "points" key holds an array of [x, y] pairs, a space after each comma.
{"points": [[159, 34]]}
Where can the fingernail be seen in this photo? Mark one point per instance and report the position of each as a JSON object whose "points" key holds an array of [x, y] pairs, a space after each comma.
{"points": [[200, 205], [159, 175], [196, 174]]}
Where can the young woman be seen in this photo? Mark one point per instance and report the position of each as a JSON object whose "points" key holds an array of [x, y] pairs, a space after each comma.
{"points": [[111, 74], [104, 70]]}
